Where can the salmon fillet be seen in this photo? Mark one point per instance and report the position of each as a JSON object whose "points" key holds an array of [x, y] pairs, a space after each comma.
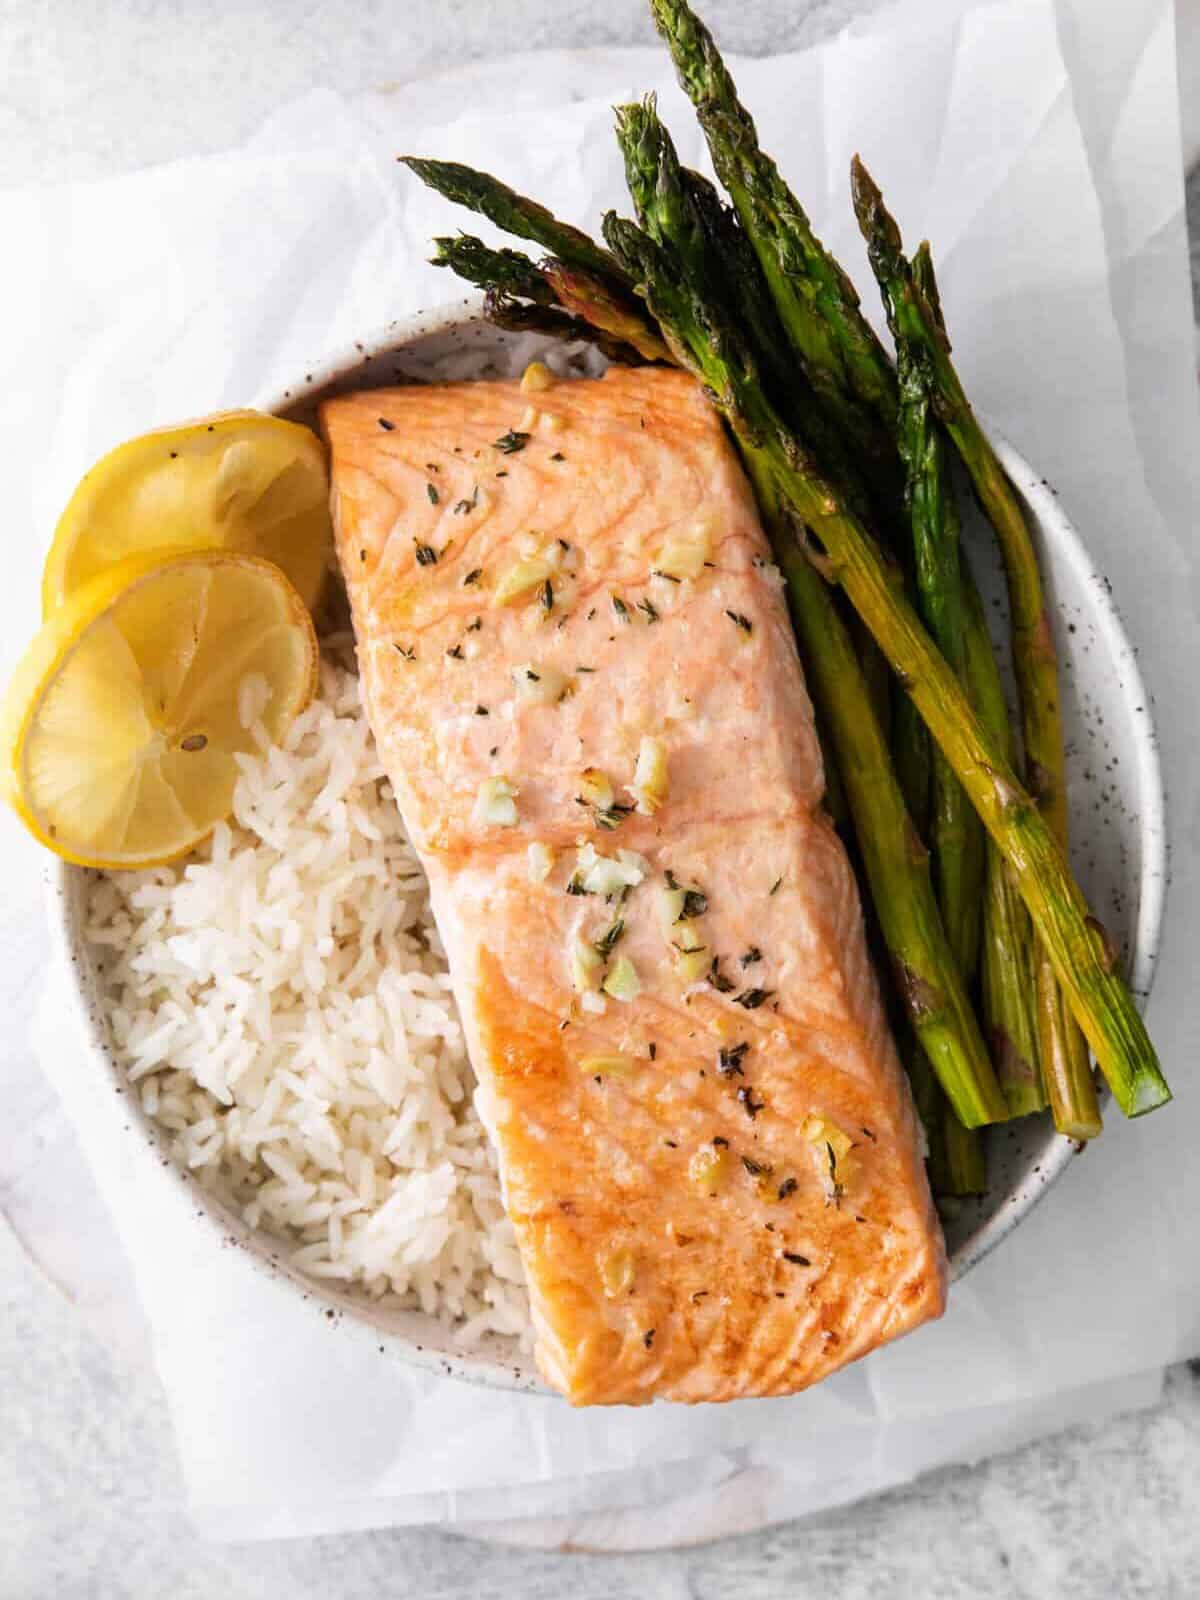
{"points": [[713, 1168]]}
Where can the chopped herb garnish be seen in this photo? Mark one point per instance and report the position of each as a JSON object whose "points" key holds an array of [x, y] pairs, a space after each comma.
{"points": [[730, 1058], [386, 425], [751, 1106], [774, 886], [426, 554], [362, 555], [503, 473], [751, 999], [658, 572], [534, 677], [796, 1260], [650, 609], [670, 1144], [648, 1337], [740, 621], [472, 577], [591, 613], [613, 816], [717, 978], [672, 881], [475, 625], [408, 651], [700, 1294], [787, 1187], [509, 443], [557, 455], [585, 669], [482, 711], [757, 1169], [620, 608], [695, 904], [838, 1191], [867, 1132], [456, 651], [575, 886], [564, 546], [653, 1050], [494, 751], [720, 1143], [751, 956], [461, 507], [608, 940], [431, 491], [546, 597]]}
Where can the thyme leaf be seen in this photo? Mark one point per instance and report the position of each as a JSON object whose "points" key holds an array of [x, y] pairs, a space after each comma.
{"points": [[509, 443]]}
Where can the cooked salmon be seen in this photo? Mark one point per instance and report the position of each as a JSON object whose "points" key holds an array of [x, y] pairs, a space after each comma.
{"points": [[578, 666]]}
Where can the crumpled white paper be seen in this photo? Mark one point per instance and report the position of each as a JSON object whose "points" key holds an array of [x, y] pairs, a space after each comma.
{"points": [[1037, 145]]}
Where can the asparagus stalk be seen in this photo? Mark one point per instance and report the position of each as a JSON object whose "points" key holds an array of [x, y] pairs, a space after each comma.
{"points": [[913, 758], [1007, 961], [843, 358], [508, 272], [914, 321], [1080, 949], [956, 834], [896, 863], [516, 214]]}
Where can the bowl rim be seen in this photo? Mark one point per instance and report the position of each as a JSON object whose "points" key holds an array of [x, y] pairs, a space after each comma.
{"points": [[485, 1366]]}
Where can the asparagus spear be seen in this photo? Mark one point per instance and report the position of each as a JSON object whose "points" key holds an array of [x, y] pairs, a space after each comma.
{"points": [[896, 863], [915, 321], [842, 356], [705, 343], [913, 758], [956, 835], [516, 214], [508, 272], [1007, 960]]}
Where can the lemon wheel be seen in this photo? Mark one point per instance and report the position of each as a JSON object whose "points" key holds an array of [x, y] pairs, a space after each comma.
{"points": [[239, 480], [123, 724]]}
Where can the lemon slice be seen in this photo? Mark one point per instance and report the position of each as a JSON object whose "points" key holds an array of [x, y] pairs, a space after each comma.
{"points": [[239, 480], [123, 723]]}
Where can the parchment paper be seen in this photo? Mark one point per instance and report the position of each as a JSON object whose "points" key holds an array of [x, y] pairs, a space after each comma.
{"points": [[1038, 146]]}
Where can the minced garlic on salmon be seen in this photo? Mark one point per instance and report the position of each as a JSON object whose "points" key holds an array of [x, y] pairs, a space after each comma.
{"points": [[578, 666]]}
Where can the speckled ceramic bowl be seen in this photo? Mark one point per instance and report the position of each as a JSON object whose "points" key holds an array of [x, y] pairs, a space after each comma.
{"points": [[1117, 817]]}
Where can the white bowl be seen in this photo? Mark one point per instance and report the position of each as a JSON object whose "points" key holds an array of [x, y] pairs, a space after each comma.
{"points": [[1117, 820]]}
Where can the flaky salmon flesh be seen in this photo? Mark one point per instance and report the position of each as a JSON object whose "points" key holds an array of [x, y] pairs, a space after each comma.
{"points": [[577, 662]]}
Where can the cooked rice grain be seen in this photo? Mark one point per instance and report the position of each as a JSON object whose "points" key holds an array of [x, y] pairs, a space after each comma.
{"points": [[282, 1003]]}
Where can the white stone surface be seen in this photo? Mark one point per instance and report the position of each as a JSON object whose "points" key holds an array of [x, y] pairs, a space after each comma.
{"points": [[89, 1494]]}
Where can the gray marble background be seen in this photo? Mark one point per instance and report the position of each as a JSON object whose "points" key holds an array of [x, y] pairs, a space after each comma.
{"points": [[90, 1497]]}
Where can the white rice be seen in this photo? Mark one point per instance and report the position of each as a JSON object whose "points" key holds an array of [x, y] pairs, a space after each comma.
{"points": [[282, 1004]]}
